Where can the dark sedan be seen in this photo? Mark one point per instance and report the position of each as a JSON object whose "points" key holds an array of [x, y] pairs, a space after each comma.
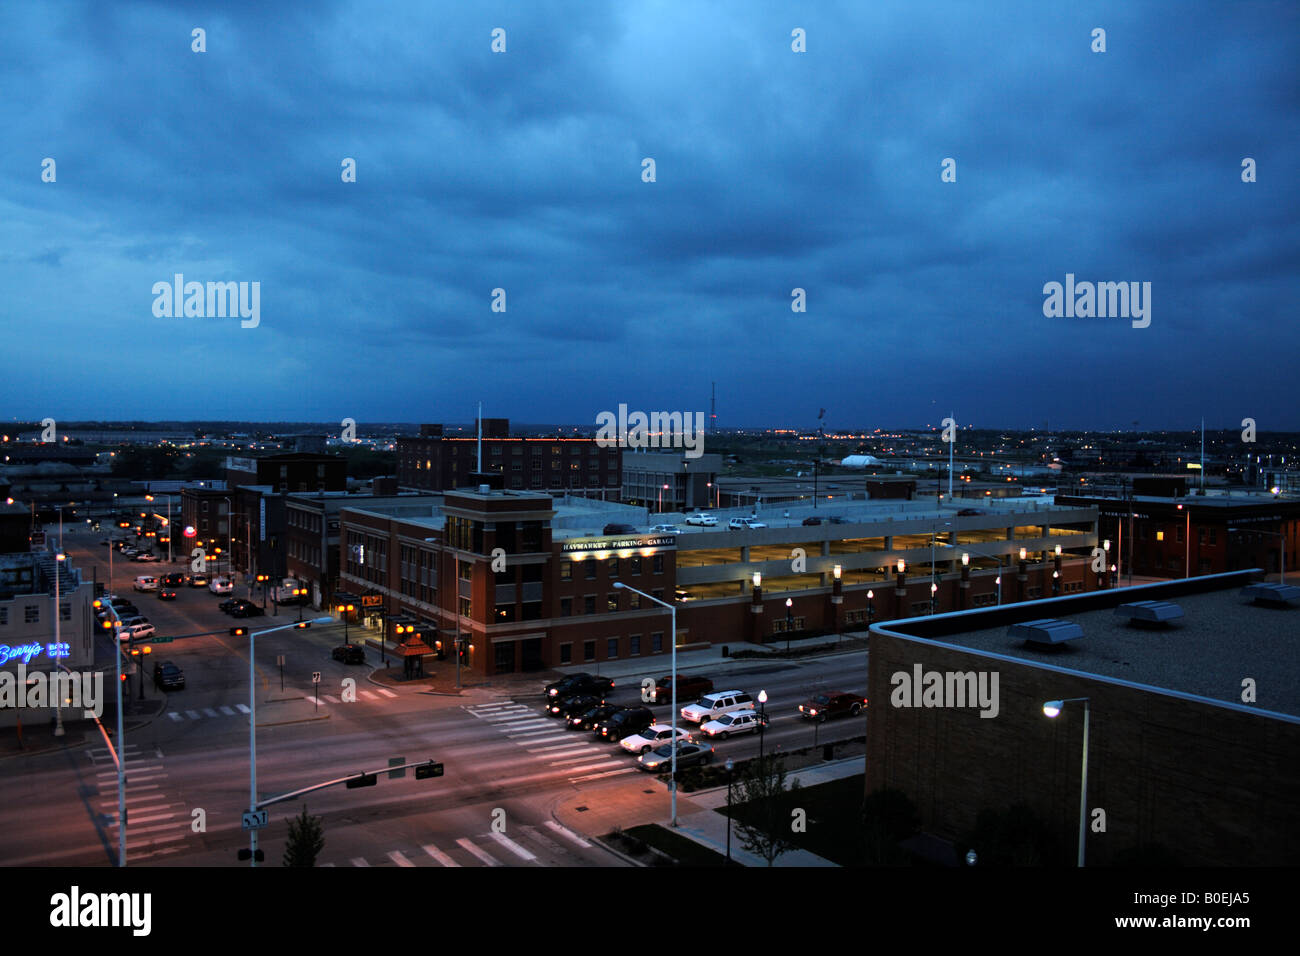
{"points": [[579, 684], [166, 594], [246, 609], [588, 719], [624, 723], [577, 704], [349, 654], [825, 706], [168, 676]]}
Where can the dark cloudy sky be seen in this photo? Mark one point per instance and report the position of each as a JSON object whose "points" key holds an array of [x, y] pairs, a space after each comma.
{"points": [[775, 170]]}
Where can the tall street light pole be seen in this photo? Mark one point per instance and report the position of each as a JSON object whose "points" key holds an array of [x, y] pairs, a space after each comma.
{"points": [[58, 615], [1051, 709], [672, 638]]}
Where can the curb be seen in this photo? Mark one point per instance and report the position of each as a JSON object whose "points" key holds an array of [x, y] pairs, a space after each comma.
{"points": [[301, 720], [609, 849]]}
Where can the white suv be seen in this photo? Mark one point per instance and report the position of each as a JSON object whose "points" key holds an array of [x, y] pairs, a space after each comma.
{"points": [[702, 519], [743, 523], [656, 735], [664, 529], [221, 586], [712, 706], [136, 631]]}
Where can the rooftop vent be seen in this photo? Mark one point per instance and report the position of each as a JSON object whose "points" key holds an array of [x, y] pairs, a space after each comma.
{"points": [[1047, 632], [1279, 595], [1150, 612], [484, 489]]}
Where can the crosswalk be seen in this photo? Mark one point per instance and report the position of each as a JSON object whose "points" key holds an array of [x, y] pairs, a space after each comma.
{"points": [[156, 825], [522, 846], [180, 716], [378, 694], [574, 753]]}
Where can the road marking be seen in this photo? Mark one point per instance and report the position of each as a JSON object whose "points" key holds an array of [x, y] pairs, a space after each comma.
{"points": [[133, 820], [597, 776], [512, 846], [154, 841], [438, 855], [174, 716], [227, 711], [358, 861], [326, 864], [565, 748], [385, 692], [366, 695], [594, 766], [400, 860], [506, 703], [514, 718], [586, 755], [482, 855], [208, 711], [192, 714], [242, 708], [566, 832], [133, 830], [518, 730], [332, 700]]}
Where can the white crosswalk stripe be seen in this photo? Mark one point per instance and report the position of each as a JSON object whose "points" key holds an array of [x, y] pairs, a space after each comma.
{"points": [[174, 716], [192, 714], [598, 776], [566, 833], [480, 854], [367, 695], [386, 692], [209, 712], [397, 857], [568, 747], [227, 711], [512, 846], [243, 708], [358, 861], [438, 855]]}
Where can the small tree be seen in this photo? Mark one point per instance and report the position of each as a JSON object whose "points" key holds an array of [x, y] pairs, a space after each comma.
{"points": [[306, 840], [763, 827]]}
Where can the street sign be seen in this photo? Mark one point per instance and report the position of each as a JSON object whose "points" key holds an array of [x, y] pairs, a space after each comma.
{"points": [[396, 762], [160, 640], [427, 770], [315, 677], [256, 819], [279, 660]]}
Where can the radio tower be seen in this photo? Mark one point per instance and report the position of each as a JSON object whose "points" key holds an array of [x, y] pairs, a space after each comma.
{"points": [[713, 407]]}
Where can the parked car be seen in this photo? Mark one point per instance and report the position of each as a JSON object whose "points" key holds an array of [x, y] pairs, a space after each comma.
{"points": [[221, 586], [742, 524], [689, 687], [136, 631], [349, 654], [740, 722], [689, 754], [589, 718], [146, 582], [812, 521], [615, 527], [582, 683], [713, 706], [145, 556], [572, 704], [168, 676], [166, 594], [664, 529], [822, 707], [656, 735], [702, 520], [624, 723], [969, 511]]}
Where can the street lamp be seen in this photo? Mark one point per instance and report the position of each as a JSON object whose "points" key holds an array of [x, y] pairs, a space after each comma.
{"points": [[58, 615], [730, 765], [762, 725], [1051, 708], [934, 597], [789, 622], [673, 640], [871, 597], [170, 559], [1187, 543]]}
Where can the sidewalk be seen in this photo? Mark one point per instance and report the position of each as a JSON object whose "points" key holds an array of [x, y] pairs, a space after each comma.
{"points": [[597, 812]]}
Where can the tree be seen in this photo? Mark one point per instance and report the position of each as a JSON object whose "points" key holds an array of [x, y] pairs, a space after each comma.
{"points": [[306, 840], [763, 823], [888, 818]]}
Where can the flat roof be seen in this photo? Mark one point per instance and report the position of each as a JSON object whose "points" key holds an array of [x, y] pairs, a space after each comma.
{"points": [[1221, 640]]}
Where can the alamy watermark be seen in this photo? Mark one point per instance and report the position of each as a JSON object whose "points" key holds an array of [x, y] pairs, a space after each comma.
{"points": [[191, 300], [75, 689], [655, 430], [1103, 300], [922, 688]]}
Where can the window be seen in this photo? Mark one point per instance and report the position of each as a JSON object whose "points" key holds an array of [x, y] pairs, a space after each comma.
{"points": [[634, 600], [659, 564], [611, 602], [465, 569], [611, 648], [505, 657], [589, 650], [566, 653], [657, 642], [634, 645], [589, 604], [32, 613], [566, 607], [635, 564], [532, 611], [566, 570], [1180, 535], [591, 570], [4, 616], [65, 612], [504, 613], [466, 609], [613, 567], [658, 592]]}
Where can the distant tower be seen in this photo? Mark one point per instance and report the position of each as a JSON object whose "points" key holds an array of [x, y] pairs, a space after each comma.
{"points": [[713, 407]]}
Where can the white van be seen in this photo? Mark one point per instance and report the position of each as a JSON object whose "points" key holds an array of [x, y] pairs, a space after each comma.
{"points": [[221, 586], [146, 582], [712, 706]]}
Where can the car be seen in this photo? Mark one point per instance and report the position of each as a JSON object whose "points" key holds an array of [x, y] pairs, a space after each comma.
{"points": [[969, 511], [572, 704], [246, 609], [591, 717], [689, 754], [145, 556], [656, 735], [173, 580], [123, 609], [702, 519], [712, 706], [349, 654], [166, 594], [228, 605], [136, 631], [129, 552], [197, 580], [812, 521], [664, 529], [836, 519], [689, 687], [615, 527], [740, 722], [146, 582], [822, 707], [582, 683], [624, 723], [221, 586], [742, 524], [168, 676]]}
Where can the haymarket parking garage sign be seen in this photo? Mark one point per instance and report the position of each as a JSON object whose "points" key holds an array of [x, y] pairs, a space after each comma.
{"points": [[620, 544]]}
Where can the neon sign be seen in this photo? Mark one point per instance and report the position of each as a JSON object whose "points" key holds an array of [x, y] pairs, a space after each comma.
{"points": [[28, 651]]}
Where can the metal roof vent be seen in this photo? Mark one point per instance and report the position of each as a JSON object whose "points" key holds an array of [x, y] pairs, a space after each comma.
{"points": [[1279, 595], [1150, 612], [1046, 632]]}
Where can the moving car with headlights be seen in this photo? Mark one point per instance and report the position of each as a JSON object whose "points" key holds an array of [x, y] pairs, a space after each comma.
{"points": [[713, 706], [197, 580], [580, 684], [168, 676], [221, 586], [349, 654], [146, 582], [589, 718], [623, 723], [740, 722], [656, 735], [689, 754], [822, 707], [702, 519], [689, 687], [145, 556], [246, 608], [166, 594], [572, 704]]}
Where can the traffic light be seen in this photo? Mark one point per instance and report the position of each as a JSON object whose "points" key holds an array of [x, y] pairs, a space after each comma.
{"points": [[365, 780], [238, 632], [303, 624], [426, 770]]}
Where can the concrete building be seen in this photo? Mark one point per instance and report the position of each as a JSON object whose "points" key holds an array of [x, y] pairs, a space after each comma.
{"points": [[669, 481], [1194, 727]]}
